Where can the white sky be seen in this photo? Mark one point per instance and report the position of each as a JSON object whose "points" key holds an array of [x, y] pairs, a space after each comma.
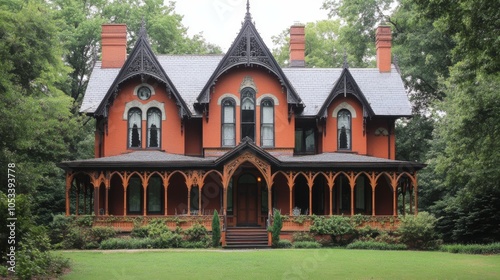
{"points": [[220, 20]]}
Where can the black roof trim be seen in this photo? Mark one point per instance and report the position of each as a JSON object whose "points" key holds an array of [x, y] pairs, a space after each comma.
{"points": [[141, 62], [346, 84], [248, 49]]}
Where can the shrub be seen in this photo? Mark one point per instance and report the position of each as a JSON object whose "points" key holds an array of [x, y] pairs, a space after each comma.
{"points": [[487, 249], [139, 232], [196, 233], [131, 243], [418, 232], [156, 227], [306, 244], [339, 228], [303, 236], [276, 228], [374, 245], [284, 244], [98, 234], [216, 230], [167, 240]]}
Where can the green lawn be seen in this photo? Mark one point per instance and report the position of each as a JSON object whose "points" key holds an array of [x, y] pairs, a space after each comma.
{"points": [[280, 264]]}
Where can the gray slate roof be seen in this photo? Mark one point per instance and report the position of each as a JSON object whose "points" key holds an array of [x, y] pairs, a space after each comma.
{"points": [[159, 159], [189, 73]]}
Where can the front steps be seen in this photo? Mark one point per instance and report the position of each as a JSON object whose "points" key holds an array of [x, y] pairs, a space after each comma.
{"points": [[246, 237]]}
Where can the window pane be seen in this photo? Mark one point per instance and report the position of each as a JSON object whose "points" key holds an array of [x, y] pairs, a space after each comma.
{"points": [[228, 114], [267, 135], [228, 133], [134, 195], [154, 195], [247, 130], [154, 128], [310, 141], [299, 147], [134, 124], [247, 116], [344, 129], [268, 114]]}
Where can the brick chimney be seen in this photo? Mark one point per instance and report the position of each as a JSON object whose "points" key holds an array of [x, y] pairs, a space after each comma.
{"points": [[383, 43], [114, 45], [297, 45]]}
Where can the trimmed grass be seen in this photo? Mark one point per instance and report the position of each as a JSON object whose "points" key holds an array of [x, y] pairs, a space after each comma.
{"points": [[280, 264]]}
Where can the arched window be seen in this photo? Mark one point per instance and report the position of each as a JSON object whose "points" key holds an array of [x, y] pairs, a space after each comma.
{"points": [[248, 113], [344, 130], [228, 122], [134, 128], [267, 123], [154, 128]]}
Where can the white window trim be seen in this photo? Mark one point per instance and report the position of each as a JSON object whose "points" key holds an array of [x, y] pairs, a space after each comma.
{"points": [[228, 95], [144, 85], [268, 95], [344, 105], [144, 108]]}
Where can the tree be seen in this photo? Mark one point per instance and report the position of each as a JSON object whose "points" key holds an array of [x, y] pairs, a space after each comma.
{"points": [[81, 23]]}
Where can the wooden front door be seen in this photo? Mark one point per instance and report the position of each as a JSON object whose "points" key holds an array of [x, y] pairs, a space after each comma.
{"points": [[247, 204]]}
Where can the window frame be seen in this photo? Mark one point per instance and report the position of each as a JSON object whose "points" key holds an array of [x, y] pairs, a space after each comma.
{"points": [[148, 129], [244, 91], [141, 196], [262, 123], [224, 124], [348, 134], [129, 132]]}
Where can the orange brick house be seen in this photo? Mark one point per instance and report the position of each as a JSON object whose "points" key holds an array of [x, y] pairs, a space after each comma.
{"points": [[184, 135]]}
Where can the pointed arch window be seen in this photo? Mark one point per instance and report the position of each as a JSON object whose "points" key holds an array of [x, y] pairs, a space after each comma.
{"points": [[228, 122], [248, 113], [267, 123], [344, 130], [154, 128], [134, 127]]}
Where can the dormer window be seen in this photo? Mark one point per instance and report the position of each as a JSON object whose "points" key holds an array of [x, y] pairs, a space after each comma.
{"points": [[344, 130], [248, 113], [134, 128]]}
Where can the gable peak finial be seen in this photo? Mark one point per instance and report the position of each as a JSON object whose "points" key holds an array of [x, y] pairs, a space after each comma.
{"points": [[248, 16], [346, 64], [142, 31]]}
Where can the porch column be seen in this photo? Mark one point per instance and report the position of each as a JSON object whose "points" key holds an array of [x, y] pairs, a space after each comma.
{"points": [[145, 191], [77, 202], [330, 182], [352, 184], [68, 188], [125, 186], [199, 201], [189, 201], [394, 197], [291, 200], [310, 199], [96, 201], [165, 188], [373, 185], [411, 198], [106, 202], [269, 200], [224, 200]]}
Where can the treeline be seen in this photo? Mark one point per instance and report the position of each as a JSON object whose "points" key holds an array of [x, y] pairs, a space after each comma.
{"points": [[448, 55]]}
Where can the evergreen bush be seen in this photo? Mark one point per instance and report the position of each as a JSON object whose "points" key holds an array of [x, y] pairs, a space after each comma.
{"points": [[276, 228], [216, 234]]}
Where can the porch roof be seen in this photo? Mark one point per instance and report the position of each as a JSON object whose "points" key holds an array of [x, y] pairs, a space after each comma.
{"points": [[160, 159]]}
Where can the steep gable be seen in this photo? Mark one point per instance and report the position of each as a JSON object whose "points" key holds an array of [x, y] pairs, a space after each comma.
{"points": [[248, 49], [142, 62]]}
